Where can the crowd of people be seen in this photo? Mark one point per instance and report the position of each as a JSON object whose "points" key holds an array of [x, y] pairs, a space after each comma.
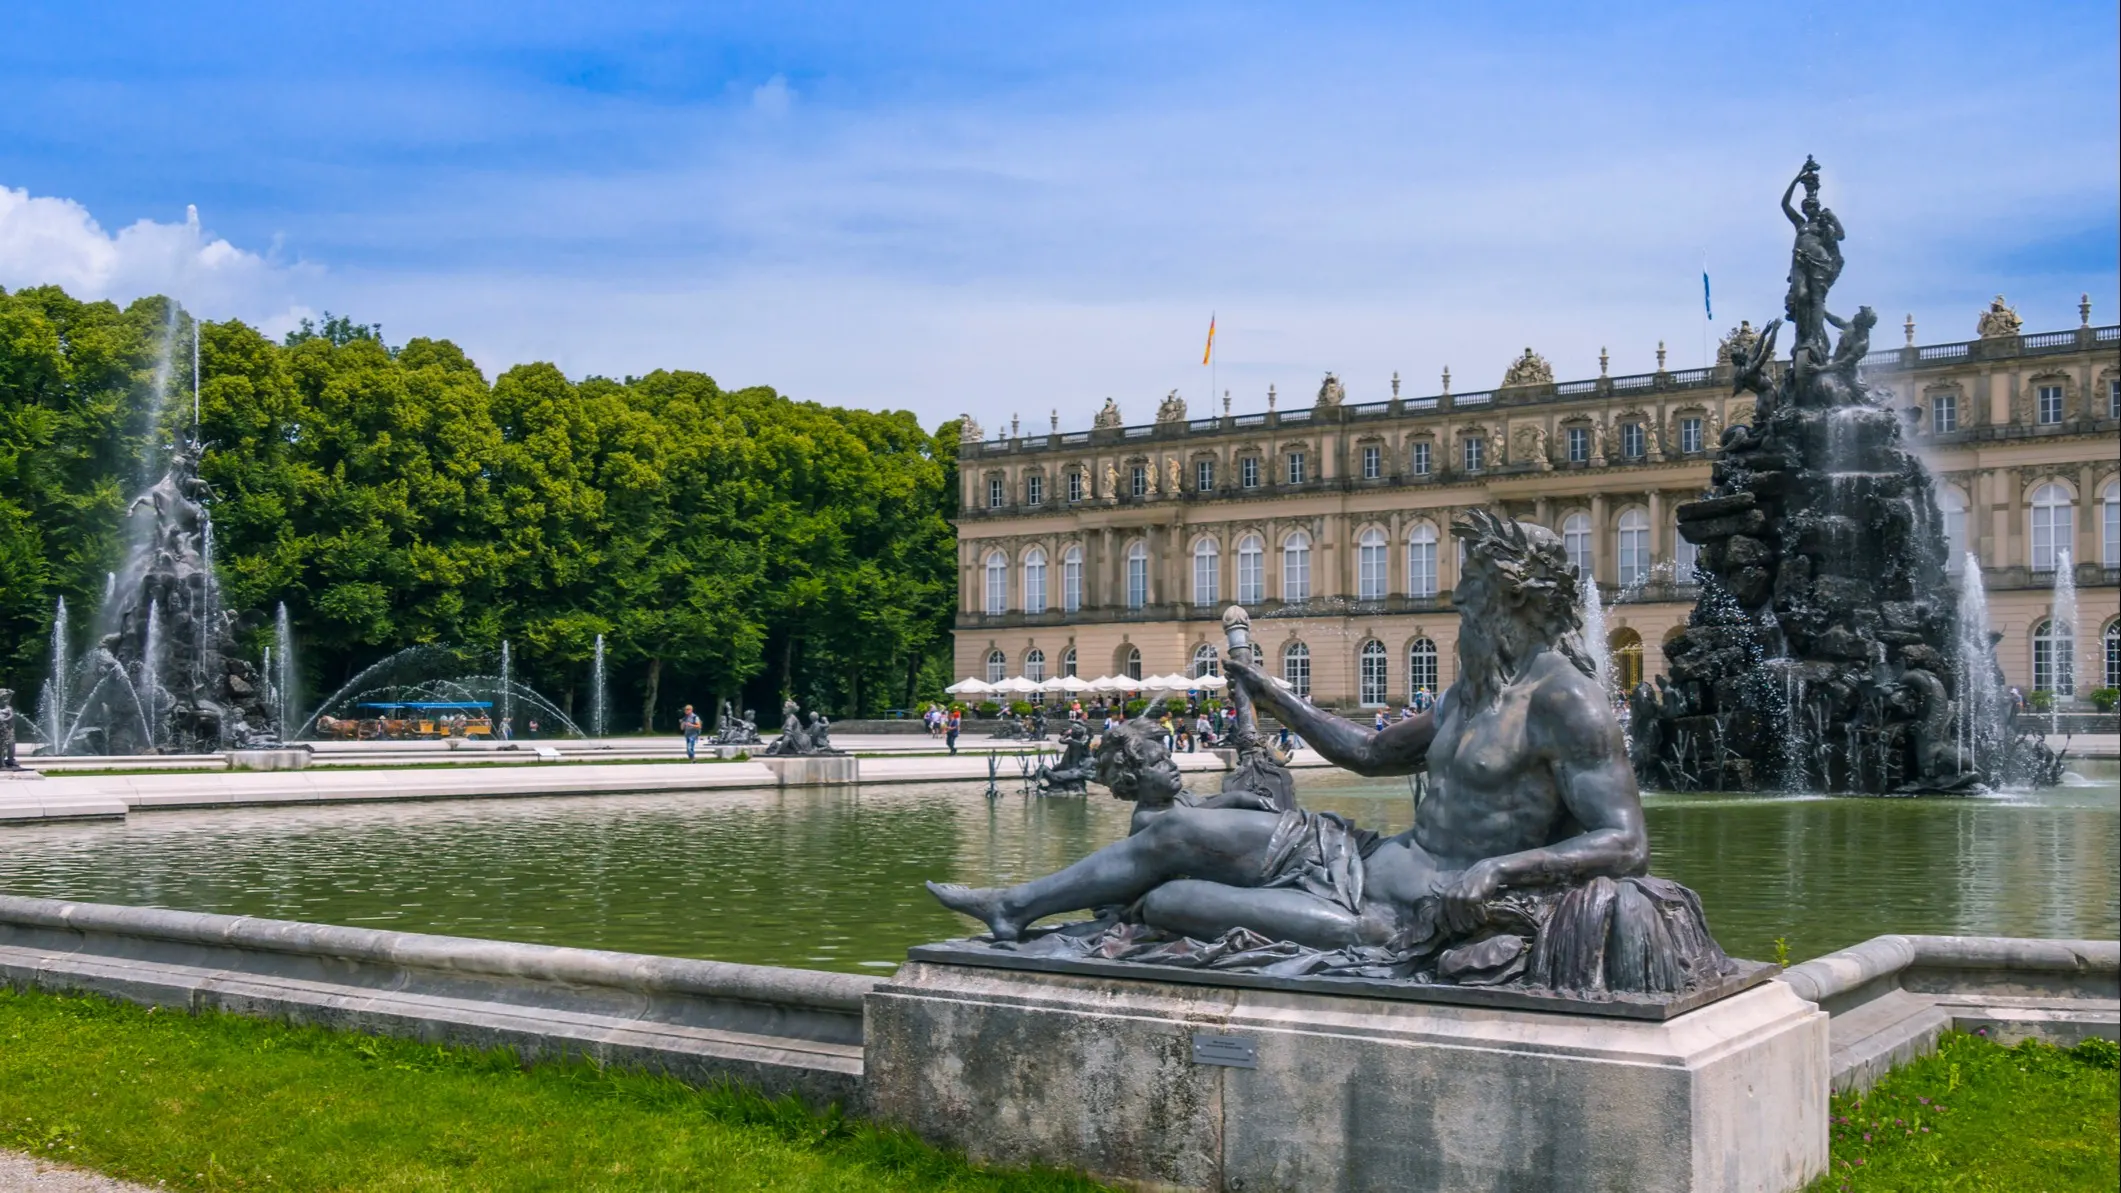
{"points": [[1197, 724]]}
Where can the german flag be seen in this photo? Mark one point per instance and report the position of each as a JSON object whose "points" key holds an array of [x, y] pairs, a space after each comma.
{"points": [[1210, 349]]}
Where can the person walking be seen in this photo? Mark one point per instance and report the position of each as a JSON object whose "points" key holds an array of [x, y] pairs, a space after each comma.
{"points": [[689, 723], [955, 723]]}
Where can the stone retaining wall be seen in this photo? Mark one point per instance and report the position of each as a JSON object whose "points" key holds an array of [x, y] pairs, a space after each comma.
{"points": [[782, 1030], [1892, 996]]}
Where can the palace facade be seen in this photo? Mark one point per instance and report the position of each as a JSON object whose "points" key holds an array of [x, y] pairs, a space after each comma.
{"points": [[1115, 550]]}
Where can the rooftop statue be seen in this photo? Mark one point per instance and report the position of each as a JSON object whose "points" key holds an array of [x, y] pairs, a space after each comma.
{"points": [[1527, 863]]}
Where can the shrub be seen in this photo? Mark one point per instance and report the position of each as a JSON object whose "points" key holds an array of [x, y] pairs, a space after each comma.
{"points": [[1020, 708], [2041, 701], [988, 708], [2104, 699], [1134, 707]]}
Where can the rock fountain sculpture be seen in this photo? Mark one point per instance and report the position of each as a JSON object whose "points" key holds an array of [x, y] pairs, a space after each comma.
{"points": [[1824, 652], [165, 675]]}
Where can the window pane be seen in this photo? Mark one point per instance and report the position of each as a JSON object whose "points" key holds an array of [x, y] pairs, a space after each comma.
{"points": [[1421, 459]]}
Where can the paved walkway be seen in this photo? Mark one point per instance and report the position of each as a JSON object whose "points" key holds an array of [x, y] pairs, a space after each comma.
{"points": [[28, 1174]]}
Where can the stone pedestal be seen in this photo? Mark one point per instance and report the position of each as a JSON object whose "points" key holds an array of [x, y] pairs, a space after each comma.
{"points": [[294, 759], [1169, 1085], [813, 770]]}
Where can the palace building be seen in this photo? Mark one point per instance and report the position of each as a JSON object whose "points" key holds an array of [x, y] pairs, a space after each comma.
{"points": [[1115, 550]]}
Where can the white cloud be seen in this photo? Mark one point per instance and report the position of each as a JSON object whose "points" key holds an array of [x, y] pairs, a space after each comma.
{"points": [[51, 241], [773, 97]]}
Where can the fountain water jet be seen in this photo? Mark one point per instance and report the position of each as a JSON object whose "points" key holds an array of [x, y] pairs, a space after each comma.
{"points": [[596, 691]]}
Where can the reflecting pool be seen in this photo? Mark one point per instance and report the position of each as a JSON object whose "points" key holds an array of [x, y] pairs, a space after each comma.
{"points": [[832, 880]]}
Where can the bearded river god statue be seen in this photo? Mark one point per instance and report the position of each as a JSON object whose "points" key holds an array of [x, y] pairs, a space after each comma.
{"points": [[1524, 876]]}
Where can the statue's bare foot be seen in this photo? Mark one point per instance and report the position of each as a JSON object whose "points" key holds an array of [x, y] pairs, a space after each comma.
{"points": [[981, 903]]}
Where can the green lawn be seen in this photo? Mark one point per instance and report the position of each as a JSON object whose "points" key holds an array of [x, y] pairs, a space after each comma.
{"points": [[220, 1102], [1980, 1118]]}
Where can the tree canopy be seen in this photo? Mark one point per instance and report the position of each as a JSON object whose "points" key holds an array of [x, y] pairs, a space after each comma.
{"points": [[725, 542]]}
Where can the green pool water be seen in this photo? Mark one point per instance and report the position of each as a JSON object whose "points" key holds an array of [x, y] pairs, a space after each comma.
{"points": [[833, 880]]}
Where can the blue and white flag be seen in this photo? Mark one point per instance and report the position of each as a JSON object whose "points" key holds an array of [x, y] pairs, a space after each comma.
{"points": [[1707, 306]]}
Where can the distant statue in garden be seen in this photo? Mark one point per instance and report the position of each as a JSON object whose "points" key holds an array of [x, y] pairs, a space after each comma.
{"points": [[1071, 774], [7, 729]]}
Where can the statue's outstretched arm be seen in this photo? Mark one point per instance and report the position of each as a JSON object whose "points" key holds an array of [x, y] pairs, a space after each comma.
{"points": [[1788, 210], [1400, 749]]}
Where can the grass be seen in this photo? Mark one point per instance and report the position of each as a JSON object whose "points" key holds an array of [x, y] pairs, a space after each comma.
{"points": [[219, 1102], [1977, 1117]]}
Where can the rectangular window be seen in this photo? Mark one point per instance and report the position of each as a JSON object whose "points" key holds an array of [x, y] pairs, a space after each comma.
{"points": [[2113, 398], [1296, 574], [1137, 581], [2052, 527], [2050, 405], [1475, 450], [1251, 577], [1579, 445], [1373, 676], [1140, 481], [1689, 435], [995, 493], [1370, 572], [1296, 468], [1631, 441], [1204, 577], [1075, 487], [1421, 667], [997, 586], [2110, 528], [1035, 584], [1421, 459], [1204, 476], [1072, 581], [1684, 556], [1373, 462], [1944, 413], [1248, 472], [1034, 489], [1421, 569]]}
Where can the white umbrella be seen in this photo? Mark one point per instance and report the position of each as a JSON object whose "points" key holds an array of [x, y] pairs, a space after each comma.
{"points": [[1070, 683], [1166, 683], [1019, 685], [969, 687], [1209, 683]]}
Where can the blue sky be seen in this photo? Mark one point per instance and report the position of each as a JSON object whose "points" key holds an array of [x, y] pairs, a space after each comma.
{"points": [[996, 209]]}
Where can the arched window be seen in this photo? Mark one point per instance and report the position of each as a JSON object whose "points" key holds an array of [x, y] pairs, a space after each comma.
{"points": [[1296, 668], [2052, 525], [1634, 537], [1251, 570], [2054, 659], [1576, 540], [2110, 526], [1207, 562], [1137, 574], [997, 582], [1035, 665], [1952, 508], [1134, 662], [1035, 581], [2112, 641], [1421, 560], [1370, 566], [1686, 557], [1626, 647], [1421, 667], [1296, 568], [1068, 662], [1072, 580], [1372, 671], [1206, 661], [997, 666]]}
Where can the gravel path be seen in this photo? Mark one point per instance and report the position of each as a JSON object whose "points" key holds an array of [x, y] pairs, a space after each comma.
{"points": [[28, 1174]]}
